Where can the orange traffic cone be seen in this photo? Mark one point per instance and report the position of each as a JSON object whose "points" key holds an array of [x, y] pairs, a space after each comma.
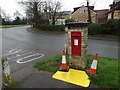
{"points": [[93, 67], [64, 66]]}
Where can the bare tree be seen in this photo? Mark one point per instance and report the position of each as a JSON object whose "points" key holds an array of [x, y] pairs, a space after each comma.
{"points": [[38, 11], [52, 9], [89, 13], [113, 10], [0, 17], [33, 11], [17, 14], [4, 15]]}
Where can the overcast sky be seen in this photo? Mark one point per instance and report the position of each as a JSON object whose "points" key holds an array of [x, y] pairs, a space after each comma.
{"points": [[10, 6]]}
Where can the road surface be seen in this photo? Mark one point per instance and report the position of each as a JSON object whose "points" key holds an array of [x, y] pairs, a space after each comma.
{"points": [[24, 48]]}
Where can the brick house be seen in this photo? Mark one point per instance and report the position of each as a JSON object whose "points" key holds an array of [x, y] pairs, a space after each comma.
{"points": [[116, 10], [81, 14], [101, 16]]}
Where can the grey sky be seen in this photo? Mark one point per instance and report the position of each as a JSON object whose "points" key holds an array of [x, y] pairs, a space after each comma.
{"points": [[10, 6]]}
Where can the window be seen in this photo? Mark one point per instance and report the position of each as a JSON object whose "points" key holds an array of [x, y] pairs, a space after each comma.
{"points": [[82, 10]]}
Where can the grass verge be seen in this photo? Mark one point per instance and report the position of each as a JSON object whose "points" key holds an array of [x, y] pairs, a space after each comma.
{"points": [[38, 30], [12, 84], [107, 69], [9, 26]]}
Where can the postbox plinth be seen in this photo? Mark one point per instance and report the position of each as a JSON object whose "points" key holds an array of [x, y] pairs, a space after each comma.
{"points": [[77, 44]]}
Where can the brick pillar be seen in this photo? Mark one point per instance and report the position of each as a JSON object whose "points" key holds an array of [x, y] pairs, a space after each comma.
{"points": [[75, 61]]}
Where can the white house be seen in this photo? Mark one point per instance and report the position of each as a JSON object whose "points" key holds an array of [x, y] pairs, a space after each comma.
{"points": [[58, 22]]}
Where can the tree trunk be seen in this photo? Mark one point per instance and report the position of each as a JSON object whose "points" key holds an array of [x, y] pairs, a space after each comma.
{"points": [[89, 13], [113, 10]]}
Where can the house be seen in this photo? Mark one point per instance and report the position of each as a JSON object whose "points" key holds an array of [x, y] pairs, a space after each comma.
{"points": [[59, 19], [65, 15], [80, 14], [114, 8], [58, 22], [101, 16]]}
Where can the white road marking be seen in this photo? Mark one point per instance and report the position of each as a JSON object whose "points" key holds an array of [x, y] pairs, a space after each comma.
{"points": [[26, 54], [17, 51], [19, 61], [12, 50], [23, 54], [17, 55]]}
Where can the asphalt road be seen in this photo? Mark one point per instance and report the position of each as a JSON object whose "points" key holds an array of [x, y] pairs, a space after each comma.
{"points": [[24, 48], [49, 44]]}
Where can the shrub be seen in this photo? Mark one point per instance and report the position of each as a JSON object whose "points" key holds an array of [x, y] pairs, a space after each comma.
{"points": [[111, 28], [51, 27], [94, 29], [69, 20]]}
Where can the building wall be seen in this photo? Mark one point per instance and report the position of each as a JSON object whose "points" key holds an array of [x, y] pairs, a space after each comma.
{"points": [[65, 16], [116, 15], [82, 16], [101, 16], [58, 22]]}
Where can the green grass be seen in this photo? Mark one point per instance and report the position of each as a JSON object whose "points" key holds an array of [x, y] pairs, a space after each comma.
{"points": [[50, 64], [107, 72], [107, 69], [9, 26], [13, 84]]}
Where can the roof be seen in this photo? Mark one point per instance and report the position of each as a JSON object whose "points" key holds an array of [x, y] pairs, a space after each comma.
{"points": [[102, 10], [76, 24], [76, 8], [66, 12], [117, 6]]}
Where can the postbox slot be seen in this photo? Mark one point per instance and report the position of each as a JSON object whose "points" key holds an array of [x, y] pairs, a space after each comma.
{"points": [[75, 36]]}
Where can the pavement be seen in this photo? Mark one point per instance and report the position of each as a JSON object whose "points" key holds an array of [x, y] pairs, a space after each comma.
{"points": [[43, 79], [49, 45], [104, 38]]}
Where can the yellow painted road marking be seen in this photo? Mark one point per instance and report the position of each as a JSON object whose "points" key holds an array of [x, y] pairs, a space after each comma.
{"points": [[76, 77]]}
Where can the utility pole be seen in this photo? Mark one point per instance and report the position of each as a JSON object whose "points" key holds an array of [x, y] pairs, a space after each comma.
{"points": [[89, 13]]}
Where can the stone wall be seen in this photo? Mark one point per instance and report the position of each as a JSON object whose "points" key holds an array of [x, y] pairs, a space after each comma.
{"points": [[0, 74], [78, 62], [82, 17], [116, 15]]}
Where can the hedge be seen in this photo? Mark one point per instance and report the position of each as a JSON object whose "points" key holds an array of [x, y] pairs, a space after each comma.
{"points": [[51, 27], [110, 28]]}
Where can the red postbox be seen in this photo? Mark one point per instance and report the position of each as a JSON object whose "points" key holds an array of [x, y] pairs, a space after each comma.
{"points": [[76, 43]]}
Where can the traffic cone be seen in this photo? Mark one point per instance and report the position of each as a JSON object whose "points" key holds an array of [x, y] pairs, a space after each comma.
{"points": [[64, 66], [93, 67]]}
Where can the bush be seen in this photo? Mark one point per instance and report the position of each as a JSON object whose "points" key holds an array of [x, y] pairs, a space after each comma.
{"points": [[69, 20], [51, 27], [94, 29], [110, 28]]}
